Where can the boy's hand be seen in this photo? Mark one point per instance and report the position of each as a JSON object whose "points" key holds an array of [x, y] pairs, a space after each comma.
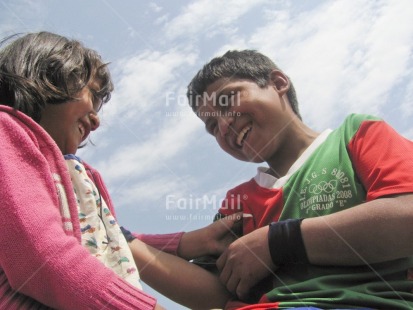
{"points": [[246, 262], [210, 240]]}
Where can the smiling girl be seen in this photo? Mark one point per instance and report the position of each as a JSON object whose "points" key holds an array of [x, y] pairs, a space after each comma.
{"points": [[61, 246]]}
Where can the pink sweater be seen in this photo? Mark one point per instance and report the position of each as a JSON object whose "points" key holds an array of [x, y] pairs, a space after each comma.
{"points": [[42, 263]]}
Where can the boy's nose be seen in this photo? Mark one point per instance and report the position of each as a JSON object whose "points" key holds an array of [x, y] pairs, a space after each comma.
{"points": [[94, 121], [224, 123]]}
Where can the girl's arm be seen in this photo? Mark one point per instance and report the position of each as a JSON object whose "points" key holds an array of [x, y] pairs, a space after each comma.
{"points": [[179, 280], [210, 240]]}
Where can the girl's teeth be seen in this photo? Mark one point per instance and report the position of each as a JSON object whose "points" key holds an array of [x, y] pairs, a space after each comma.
{"points": [[242, 134]]}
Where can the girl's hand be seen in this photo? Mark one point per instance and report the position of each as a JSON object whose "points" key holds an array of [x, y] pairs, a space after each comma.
{"points": [[210, 240]]}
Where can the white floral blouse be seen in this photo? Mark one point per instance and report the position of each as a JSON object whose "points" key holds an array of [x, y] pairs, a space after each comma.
{"points": [[101, 234]]}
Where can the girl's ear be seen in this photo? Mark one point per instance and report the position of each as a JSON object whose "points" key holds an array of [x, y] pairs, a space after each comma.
{"points": [[279, 81]]}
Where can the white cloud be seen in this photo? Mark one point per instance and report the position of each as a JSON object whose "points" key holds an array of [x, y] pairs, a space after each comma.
{"points": [[387, 46], [207, 16], [406, 105], [162, 19], [155, 7]]}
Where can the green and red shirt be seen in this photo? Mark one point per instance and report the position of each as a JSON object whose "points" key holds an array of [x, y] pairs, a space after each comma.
{"points": [[362, 160]]}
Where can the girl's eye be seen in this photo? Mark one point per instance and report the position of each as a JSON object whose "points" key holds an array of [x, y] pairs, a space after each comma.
{"points": [[97, 104], [97, 100]]}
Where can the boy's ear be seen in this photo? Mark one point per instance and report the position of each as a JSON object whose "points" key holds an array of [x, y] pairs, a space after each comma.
{"points": [[279, 81]]}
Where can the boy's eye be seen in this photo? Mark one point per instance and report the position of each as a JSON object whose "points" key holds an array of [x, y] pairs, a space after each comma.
{"points": [[235, 98], [224, 102], [228, 100], [211, 127]]}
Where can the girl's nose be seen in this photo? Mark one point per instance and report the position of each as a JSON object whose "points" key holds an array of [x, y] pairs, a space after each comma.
{"points": [[94, 121]]}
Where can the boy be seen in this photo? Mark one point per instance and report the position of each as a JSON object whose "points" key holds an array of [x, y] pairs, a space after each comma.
{"points": [[328, 223]]}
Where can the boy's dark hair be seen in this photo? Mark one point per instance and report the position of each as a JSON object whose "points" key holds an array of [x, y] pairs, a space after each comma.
{"points": [[246, 64], [43, 68]]}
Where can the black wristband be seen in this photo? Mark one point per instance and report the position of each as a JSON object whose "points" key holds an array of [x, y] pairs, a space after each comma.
{"points": [[127, 234], [286, 243]]}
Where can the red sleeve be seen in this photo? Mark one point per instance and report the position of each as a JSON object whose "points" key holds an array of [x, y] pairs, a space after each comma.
{"points": [[383, 159], [164, 242]]}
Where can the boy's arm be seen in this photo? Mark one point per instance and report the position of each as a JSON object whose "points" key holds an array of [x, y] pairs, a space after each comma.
{"points": [[179, 280], [372, 232], [376, 231]]}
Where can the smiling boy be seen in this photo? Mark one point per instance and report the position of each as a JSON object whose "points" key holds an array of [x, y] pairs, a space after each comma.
{"points": [[328, 223]]}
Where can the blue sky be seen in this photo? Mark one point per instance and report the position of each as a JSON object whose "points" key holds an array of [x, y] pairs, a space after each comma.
{"points": [[164, 172]]}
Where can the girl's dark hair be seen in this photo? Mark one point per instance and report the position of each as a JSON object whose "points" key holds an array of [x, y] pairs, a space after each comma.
{"points": [[43, 68], [246, 64]]}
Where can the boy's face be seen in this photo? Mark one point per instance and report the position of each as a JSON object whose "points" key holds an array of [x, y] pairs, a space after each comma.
{"points": [[250, 123]]}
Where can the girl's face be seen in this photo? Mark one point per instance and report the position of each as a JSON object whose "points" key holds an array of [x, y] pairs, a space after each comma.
{"points": [[70, 123], [249, 122]]}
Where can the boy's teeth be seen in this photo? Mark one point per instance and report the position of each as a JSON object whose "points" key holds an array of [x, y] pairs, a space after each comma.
{"points": [[242, 134]]}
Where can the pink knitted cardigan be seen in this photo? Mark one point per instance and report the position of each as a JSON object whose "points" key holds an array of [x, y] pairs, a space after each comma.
{"points": [[42, 263]]}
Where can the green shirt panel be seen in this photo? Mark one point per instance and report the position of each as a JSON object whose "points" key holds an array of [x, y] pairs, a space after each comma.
{"points": [[327, 182]]}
